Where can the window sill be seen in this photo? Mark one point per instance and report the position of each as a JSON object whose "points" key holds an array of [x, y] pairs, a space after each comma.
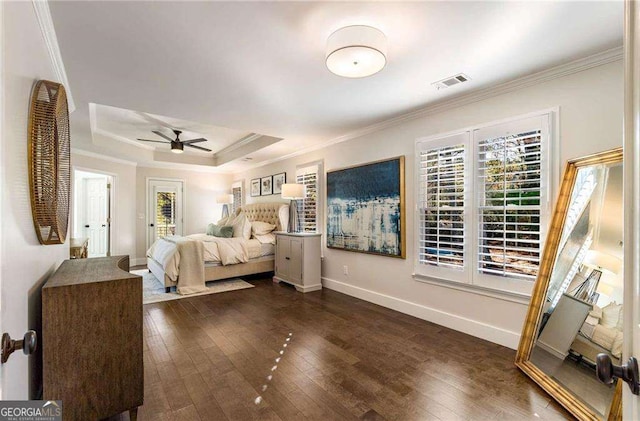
{"points": [[513, 297]]}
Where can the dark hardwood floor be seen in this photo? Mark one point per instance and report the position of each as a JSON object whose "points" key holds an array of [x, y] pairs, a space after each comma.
{"points": [[271, 353]]}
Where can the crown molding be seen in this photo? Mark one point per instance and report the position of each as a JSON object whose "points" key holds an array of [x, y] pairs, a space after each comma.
{"points": [[45, 21], [184, 167], [146, 164], [576, 66], [236, 145]]}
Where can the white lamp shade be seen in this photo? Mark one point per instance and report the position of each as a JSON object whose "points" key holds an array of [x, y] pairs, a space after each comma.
{"points": [[293, 191], [356, 51], [602, 261], [225, 199]]}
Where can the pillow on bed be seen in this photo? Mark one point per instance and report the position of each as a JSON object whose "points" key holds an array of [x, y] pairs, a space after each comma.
{"points": [[269, 238], [261, 228], [241, 226], [596, 312], [611, 314], [223, 231]]}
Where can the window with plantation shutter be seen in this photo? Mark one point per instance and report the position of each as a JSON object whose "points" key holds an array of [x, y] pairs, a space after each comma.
{"points": [[236, 191], [441, 206], [509, 179], [308, 207], [483, 206]]}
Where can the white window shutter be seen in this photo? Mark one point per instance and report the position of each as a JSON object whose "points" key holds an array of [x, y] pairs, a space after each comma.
{"points": [[237, 198], [512, 188], [308, 207], [442, 220], [492, 239]]}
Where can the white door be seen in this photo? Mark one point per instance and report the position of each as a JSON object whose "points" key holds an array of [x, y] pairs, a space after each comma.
{"points": [[96, 215], [631, 308], [165, 212]]}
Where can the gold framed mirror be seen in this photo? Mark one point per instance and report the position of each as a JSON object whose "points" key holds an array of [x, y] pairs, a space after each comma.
{"points": [[576, 305]]}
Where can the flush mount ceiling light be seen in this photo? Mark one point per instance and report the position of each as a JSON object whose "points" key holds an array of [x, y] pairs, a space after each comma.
{"points": [[356, 51]]}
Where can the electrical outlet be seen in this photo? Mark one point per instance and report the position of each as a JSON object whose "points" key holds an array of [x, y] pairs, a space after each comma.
{"points": [[345, 269]]}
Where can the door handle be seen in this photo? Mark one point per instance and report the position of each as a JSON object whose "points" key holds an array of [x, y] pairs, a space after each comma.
{"points": [[86, 226], [607, 372], [151, 225], [28, 343], [103, 225], [287, 258]]}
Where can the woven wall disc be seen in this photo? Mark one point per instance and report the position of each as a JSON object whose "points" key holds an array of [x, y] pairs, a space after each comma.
{"points": [[49, 161]]}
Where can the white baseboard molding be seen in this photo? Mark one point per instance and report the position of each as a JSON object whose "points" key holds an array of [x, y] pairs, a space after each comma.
{"points": [[138, 261], [471, 327]]}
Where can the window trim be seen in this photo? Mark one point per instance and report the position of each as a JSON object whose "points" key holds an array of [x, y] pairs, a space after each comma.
{"points": [[512, 289]]}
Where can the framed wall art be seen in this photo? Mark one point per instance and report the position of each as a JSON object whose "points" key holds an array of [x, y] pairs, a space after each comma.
{"points": [[366, 208], [266, 186], [278, 181], [255, 187]]}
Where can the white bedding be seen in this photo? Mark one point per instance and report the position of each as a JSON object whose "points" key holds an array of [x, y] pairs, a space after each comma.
{"points": [[226, 251], [214, 246]]}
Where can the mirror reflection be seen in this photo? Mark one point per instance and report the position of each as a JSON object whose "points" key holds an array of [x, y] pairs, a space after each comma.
{"points": [[582, 312]]}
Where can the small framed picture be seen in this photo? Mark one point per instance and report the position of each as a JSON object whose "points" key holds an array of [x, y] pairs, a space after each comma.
{"points": [[278, 181], [255, 187], [266, 186]]}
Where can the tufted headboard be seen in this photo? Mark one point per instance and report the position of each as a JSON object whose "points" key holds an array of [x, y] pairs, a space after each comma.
{"points": [[276, 213]]}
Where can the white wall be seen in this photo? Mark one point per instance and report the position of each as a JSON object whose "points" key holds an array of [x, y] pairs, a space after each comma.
{"points": [[25, 264], [201, 191], [590, 121]]}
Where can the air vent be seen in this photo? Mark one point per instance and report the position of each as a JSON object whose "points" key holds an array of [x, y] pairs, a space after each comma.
{"points": [[451, 81]]}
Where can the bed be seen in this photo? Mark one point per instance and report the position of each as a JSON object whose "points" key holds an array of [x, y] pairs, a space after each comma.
{"points": [[272, 213], [601, 333]]}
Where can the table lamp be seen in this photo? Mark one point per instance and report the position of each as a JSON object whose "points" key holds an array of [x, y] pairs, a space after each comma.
{"points": [[293, 192], [225, 200], [599, 262]]}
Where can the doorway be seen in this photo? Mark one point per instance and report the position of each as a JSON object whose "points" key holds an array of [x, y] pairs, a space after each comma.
{"points": [[164, 208], [92, 210]]}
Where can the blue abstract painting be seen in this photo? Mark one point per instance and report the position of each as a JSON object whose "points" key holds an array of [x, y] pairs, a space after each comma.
{"points": [[365, 208]]}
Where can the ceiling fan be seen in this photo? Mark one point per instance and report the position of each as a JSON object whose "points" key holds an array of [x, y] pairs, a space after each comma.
{"points": [[177, 145]]}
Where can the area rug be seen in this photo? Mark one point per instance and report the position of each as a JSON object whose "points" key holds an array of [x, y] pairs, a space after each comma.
{"points": [[153, 290]]}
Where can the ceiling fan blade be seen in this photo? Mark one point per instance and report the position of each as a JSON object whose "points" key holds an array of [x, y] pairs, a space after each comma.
{"points": [[197, 147], [198, 140], [163, 135], [154, 141]]}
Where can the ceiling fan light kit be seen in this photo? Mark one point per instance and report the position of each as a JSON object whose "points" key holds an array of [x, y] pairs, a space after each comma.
{"points": [[356, 51], [177, 145]]}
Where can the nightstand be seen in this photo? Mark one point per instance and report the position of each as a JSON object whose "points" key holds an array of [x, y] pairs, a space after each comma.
{"points": [[298, 260]]}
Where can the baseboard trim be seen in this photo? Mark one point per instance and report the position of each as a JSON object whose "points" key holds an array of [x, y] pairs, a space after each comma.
{"points": [[471, 327]]}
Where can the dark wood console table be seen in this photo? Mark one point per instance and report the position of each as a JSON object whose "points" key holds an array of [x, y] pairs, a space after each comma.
{"points": [[92, 338]]}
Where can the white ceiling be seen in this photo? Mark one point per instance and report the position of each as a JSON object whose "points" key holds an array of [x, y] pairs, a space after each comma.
{"points": [[129, 126], [259, 66]]}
